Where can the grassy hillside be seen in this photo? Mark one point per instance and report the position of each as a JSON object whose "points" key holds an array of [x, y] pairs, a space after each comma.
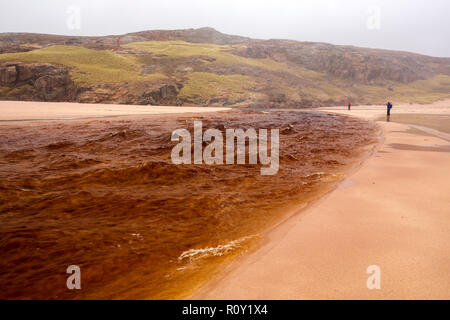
{"points": [[88, 65], [240, 72], [203, 85], [178, 49]]}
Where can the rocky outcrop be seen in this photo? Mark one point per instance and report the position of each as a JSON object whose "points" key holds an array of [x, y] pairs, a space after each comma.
{"points": [[130, 93], [8, 75], [50, 82], [165, 95], [360, 65]]}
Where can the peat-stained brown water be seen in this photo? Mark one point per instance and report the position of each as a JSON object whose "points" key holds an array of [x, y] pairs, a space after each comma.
{"points": [[104, 195]]}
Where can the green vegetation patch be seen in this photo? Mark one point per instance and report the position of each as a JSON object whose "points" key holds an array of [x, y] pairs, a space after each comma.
{"points": [[88, 65], [177, 49], [421, 91], [204, 85]]}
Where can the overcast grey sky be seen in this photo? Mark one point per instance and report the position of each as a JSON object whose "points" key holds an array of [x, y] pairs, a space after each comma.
{"points": [[421, 26]]}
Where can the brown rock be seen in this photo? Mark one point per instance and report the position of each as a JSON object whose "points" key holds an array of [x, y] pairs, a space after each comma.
{"points": [[53, 88], [166, 94], [8, 75], [50, 82]]}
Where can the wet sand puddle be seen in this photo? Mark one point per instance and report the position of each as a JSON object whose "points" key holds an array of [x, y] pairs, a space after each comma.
{"points": [[104, 195]]}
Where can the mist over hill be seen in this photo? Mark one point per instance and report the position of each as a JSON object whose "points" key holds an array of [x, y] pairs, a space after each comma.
{"points": [[206, 67]]}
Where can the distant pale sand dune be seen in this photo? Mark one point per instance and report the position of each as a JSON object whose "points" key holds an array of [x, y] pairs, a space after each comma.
{"points": [[22, 110]]}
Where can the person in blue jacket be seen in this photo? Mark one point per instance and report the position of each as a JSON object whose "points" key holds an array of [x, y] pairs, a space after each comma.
{"points": [[389, 107]]}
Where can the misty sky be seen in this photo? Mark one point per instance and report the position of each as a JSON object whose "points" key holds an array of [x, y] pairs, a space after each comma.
{"points": [[421, 26]]}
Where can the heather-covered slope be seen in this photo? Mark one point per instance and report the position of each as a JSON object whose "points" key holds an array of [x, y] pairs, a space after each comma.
{"points": [[206, 67]]}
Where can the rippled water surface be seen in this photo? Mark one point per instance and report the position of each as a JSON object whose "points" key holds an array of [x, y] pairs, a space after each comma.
{"points": [[104, 195]]}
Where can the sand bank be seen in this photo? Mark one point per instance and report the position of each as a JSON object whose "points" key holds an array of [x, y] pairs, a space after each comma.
{"points": [[392, 212], [21, 110], [374, 112]]}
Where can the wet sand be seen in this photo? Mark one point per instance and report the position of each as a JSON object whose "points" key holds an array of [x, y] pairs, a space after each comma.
{"points": [[392, 212], [374, 112]]}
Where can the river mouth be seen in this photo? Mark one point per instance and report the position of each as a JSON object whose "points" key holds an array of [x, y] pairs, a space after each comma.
{"points": [[104, 195]]}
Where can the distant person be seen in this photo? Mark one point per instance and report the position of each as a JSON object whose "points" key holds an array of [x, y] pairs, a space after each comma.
{"points": [[389, 107], [349, 106]]}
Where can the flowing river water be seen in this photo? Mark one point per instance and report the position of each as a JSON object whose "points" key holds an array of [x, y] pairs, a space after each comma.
{"points": [[103, 194]]}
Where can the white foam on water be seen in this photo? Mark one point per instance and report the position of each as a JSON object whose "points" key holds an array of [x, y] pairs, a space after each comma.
{"points": [[220, 250]]}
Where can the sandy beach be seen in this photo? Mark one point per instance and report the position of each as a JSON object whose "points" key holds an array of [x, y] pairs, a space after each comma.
{"points": [[23, 110], [392, 212]]}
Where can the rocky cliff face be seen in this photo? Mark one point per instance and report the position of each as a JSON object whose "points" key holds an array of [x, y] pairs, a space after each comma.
{"points": [[48, 82], [131, 93]]}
